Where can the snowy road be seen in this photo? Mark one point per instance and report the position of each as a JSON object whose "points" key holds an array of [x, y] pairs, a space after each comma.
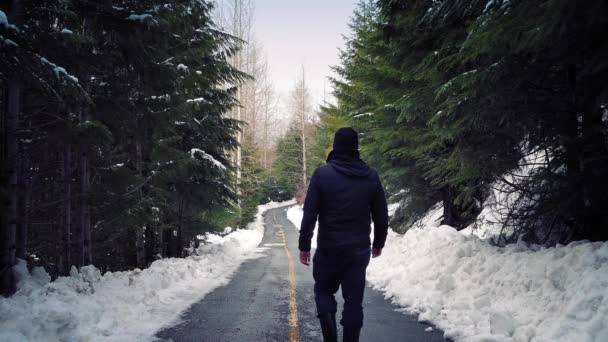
{"points": [[271, 299]]}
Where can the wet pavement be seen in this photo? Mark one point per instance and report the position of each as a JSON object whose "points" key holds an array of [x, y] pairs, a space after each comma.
{"points": [[271, 299]]}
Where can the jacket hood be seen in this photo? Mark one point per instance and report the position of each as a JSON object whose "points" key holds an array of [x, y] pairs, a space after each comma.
{"points": [[356, 168]]}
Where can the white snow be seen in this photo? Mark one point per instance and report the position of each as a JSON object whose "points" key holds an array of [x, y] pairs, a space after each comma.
{"points": [[196, 100], [66, 31], [208, 157], [497, 207], [4, 21], [362, 115], [475, 291], [165, 97], [294, 214], [59, 70], [124, 306], [182, 67], [9, 42], [139, 17]]}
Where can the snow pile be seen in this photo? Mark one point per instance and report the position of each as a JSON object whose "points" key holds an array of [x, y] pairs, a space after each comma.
{"points": [[478, 292], [294, 214], [475, 291], [123, 306]]}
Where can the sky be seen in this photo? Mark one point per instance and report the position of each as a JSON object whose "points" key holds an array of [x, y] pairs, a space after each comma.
{"points": [[302, 32]]}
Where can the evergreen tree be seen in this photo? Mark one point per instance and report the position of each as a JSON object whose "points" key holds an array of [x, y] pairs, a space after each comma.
{"points": [[453, 98], [117, 130]]}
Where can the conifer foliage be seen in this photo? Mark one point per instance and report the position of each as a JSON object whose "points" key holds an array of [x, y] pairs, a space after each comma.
{"points": [[457, 98], [115, 138]]}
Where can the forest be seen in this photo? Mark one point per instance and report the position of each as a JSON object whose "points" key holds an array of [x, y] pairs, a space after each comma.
{"points": [[131, 128], [456, 101]]}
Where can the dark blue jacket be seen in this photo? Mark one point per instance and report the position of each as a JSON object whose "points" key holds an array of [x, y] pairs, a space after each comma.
{"points": [[345, 195]]}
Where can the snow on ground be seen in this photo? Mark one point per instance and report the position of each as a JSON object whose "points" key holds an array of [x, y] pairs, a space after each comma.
{"points": [[124, 306], [294, 214], [475, 291]]}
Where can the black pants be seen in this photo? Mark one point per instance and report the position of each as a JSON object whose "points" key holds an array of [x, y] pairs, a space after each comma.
{"points": [[346, 268]]}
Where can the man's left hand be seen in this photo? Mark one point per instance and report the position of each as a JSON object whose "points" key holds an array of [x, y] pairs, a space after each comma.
{"points": [[376, 252], [305, 258]]}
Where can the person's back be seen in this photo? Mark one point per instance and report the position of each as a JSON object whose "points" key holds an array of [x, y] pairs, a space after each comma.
{"points": [[345, 196]]}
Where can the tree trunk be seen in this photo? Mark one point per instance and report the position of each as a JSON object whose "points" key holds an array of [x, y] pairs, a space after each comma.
{"points": [[448, 210], [139, 247], [10, 176], [139, 231], [180, 224], [66, 173], [303, 119], [162, 243], [594, 164], [83, 224], [86, 207], [303, 155], [452, 215], [78, 234], [8, 231], [149, 244], [24, 195], [265, 137]]}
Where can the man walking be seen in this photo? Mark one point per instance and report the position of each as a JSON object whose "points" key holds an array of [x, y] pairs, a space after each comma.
{"points": [[345, 195]]}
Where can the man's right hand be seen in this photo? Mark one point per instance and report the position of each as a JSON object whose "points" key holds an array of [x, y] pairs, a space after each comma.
{"points": [[305, 258], [376, 252]]}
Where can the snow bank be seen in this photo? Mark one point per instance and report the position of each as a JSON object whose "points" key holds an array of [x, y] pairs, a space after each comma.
{"points": [[478, 292], [123, 306], [294, 214]]}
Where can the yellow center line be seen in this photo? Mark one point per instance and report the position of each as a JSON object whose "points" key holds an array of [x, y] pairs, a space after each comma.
{"points": [[294, 335]]}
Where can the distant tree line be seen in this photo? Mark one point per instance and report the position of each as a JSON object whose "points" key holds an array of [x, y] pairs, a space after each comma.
{"points": [[455, 98], [115, 138]]}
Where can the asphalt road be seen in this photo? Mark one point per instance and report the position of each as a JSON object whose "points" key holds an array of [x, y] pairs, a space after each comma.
{"points": [[271, 299]]}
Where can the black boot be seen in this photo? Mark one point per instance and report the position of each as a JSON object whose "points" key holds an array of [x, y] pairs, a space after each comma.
{"points": [[351, 334], [328, 326]]}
